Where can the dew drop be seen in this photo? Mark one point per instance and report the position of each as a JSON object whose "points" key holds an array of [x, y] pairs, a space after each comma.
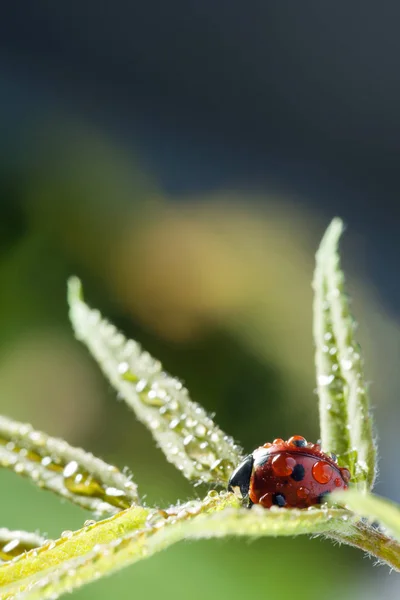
{"points": [[112, 491], [12, 545], [200, 452], [346, 364], [141, 385], [201, 430], [345, 474], [303, 493], [213, 494], [152, 398], [283, 465], [325, 379], [70, 469], [67, 534], [322, 472]]}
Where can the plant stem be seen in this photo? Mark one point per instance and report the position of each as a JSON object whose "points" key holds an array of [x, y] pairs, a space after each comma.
{"points": [[365, 537]]}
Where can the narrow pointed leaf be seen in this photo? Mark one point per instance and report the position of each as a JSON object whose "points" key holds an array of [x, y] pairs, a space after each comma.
{"points": [[83, 545], [108, 558], [372, 507], [53, 553], [185, 433], [54, 465], [346, 424]]}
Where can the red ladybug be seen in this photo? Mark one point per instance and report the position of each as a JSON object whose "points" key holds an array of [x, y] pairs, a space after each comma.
{"points": [[295, 474]]}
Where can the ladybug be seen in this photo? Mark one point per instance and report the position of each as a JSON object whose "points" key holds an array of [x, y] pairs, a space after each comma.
{"points": [[295, 474]]}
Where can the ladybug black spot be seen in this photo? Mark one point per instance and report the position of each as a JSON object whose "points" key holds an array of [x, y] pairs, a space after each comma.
{"points": [[279, 500], [298, 473]]}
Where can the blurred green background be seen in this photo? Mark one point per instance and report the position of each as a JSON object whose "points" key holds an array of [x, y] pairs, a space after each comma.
{"points": [[192, 218]]}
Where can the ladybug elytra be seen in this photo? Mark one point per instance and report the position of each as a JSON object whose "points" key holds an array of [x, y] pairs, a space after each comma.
{"points": [[294, 474]]}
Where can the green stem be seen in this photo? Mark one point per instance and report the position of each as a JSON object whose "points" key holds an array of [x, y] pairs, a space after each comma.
{"points": [[370, 540]]}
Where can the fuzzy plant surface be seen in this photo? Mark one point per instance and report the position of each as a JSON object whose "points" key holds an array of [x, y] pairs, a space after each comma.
{"points": [[124, 530]]}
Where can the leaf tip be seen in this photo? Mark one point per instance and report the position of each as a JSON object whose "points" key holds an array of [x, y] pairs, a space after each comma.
{"points": [[74, 290]]}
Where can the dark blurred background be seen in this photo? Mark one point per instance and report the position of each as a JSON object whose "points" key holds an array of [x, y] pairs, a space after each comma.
{"points": [[184, 159]]}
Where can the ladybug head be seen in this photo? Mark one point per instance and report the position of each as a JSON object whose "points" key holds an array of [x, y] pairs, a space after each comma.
{"points": [[239, 483]]}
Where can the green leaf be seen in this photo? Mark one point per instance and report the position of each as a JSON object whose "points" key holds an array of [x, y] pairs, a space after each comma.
{"points": [[185, 433], [54, 553], [108, 558], [373, 507], [70, 472], [346, 425]]}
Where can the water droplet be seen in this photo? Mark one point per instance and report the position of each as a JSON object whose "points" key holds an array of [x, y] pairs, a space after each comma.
{"points": [[283, 465], [213, 494], [152, 398], [325, 379], [112, 491], [298, 441], [123, 368], [70, 469], [200, 452], [10, 546], [89, 523], [67, 534], [37, 437], [141, 385], [303, 493], [346, 364], [201, 430], [322, 472], [345, 474], [173, 405]]}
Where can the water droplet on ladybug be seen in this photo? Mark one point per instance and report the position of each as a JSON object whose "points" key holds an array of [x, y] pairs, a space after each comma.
{"points": [[345, 473], [298, 441], [322, 472], [303, 492], [283, 465]]}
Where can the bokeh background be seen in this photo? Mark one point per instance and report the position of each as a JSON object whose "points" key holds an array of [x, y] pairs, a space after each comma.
{"points": [[184, 159]]}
